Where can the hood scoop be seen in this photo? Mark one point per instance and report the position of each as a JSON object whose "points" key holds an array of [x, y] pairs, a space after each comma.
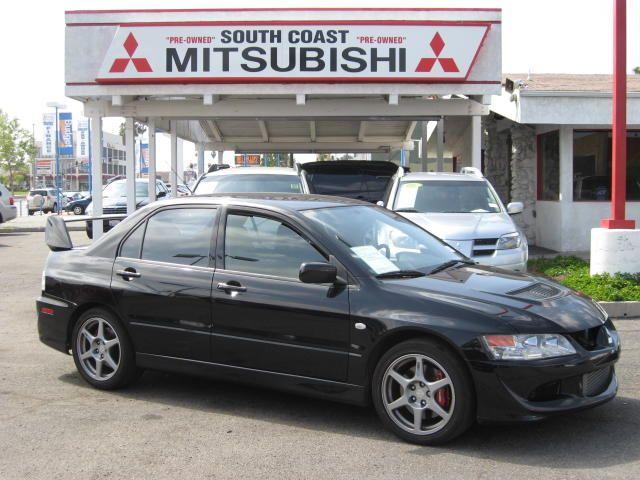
{"points": [[536, 291]]}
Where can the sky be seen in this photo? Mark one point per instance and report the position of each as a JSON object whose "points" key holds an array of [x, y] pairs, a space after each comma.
{"points": [[540, 36]]}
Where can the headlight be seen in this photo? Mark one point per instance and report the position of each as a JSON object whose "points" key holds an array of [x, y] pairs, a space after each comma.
{"points": [[527, 347], [509, 241]]}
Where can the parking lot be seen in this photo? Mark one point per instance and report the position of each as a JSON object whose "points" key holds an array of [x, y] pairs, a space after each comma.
{"points": [[54, 425]]}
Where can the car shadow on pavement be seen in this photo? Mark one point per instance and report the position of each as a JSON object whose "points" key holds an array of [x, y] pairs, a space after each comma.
{"points": [[258, 403], [604, 436]]}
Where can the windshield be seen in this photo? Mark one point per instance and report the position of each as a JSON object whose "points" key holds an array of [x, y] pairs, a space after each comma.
{"points": [[382, 240], [446, 196], [248, 183], [119, 189]]}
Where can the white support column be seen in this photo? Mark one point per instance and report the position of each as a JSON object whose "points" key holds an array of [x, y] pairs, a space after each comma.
{"points": [[566, 186], [174, 157], [96, 173], [180, 157], [476, 142], [130, 150], [151, 127], [200, 159], [219, 156], [424, 154], [440, 145]]}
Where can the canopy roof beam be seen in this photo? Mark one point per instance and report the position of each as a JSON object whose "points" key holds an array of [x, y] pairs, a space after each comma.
{"points": [[265, 108]]}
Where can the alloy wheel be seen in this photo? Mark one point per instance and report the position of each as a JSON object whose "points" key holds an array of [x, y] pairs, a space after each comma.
{"points": [[98, 348], [77, 210], [418, 394]]}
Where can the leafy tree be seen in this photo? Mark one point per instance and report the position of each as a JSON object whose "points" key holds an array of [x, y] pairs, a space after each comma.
{"points": [[138, 128], [17, 147], [636, 70]]}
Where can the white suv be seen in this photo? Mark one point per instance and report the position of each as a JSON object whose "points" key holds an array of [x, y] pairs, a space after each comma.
{"points": [[8, 209], [464, 210]]}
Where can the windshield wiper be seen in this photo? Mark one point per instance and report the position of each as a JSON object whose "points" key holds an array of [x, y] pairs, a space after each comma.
{"points": [[406, 210], [449, 264], [401, 274]]}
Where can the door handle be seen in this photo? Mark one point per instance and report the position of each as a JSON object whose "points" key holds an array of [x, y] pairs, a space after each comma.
{"points": [[231, 287], [128, 273]]}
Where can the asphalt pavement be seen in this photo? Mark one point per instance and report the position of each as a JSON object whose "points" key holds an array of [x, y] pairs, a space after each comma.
{"points": [[53, 425]]}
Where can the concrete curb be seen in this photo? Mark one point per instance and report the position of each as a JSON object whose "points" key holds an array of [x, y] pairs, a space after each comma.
{"points": [[621, 309]]}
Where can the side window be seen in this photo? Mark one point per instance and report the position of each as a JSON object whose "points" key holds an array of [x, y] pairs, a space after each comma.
{"points": [[133, 244], [263, 245], [181, 235]]}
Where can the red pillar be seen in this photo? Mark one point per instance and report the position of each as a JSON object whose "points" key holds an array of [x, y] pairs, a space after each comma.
{"points": [[619, 151]]}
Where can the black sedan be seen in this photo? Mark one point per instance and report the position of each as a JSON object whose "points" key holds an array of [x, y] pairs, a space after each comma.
{"points": [[78, 206], [328, 297]]}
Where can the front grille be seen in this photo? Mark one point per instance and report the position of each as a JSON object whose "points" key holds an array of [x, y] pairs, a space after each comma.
{"points": [[594, 383], [484, 247], [536, 291], [114, 210]]}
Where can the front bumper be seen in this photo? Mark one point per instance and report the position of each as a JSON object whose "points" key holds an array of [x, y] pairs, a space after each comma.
{"points": [[533, 390], [513, 259]]}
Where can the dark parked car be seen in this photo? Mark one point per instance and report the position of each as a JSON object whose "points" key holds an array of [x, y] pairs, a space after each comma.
{"points": [[359, 179], [328, 297], [79, 206]]}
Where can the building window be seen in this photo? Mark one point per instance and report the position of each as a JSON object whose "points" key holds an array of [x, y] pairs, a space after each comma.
{"points": [[549, 166], [592, 165]]}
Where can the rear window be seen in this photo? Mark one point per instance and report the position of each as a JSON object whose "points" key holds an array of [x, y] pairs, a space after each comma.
{"points": [[38, 192], [254, 183], [361, 186]]}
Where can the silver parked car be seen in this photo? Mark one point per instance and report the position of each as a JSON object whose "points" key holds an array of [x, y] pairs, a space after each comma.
{"points": [[8, 210], [464, 210], [45, 200], [250, 180]]}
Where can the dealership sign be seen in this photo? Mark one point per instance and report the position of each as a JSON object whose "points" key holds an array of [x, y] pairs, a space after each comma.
{"points": [[410, 52], [48, 135], [83, 139], [65, 133]]}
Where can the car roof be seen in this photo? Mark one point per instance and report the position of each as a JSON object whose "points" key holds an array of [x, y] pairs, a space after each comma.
{"points": [[253, 171], [280, 201], [440, 176]]}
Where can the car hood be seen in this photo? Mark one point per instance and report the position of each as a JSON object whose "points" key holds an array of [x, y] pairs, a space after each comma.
{"points": [[529, 304], [463, 226]]}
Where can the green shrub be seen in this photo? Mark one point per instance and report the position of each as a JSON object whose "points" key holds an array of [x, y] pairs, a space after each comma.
{"points": [[574, 273]]}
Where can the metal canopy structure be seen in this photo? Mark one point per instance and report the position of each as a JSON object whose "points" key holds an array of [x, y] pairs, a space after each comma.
{"points": [[274, 80]]}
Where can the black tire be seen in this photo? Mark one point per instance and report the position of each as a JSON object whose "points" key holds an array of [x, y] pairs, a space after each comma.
{"points": [[463, 413], [78, 210], [55, 208], [126, 371], [31, 212]]}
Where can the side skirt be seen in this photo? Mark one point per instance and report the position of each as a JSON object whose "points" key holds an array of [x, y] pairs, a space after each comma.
{"points": [[312, 387]]}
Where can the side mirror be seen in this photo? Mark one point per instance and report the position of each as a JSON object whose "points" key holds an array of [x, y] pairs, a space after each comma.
{"points": [[514, 208], [318, 272], [161, 194], [380, 203]]}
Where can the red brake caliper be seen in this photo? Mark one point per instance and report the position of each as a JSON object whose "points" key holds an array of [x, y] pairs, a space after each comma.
{"points": [[443, 396]]}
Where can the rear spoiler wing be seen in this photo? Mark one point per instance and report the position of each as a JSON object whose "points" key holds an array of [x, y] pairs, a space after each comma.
{"points": [[56, 235]]}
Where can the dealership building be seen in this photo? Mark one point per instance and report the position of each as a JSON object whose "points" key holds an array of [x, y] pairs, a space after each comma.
{"points": [[423, 87]]}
